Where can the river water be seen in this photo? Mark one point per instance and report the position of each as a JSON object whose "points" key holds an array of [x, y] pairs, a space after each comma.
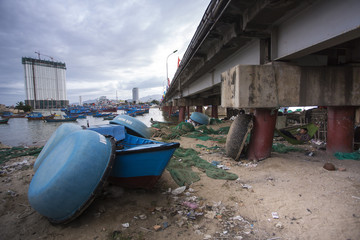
{"points": [[22, 132]]}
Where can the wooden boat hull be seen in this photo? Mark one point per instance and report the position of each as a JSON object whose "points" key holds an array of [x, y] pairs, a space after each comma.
{"points": [[4, 121], [61, 120]]}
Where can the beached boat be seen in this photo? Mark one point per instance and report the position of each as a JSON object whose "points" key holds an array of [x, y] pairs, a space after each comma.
{"points": [[200, 118], [70, 176], [4, 121], [139, 162], [38, 116], [133, 126], [107, 152]]}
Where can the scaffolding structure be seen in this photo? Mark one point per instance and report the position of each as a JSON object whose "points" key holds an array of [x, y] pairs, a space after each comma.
{"points": [[45, 83]]}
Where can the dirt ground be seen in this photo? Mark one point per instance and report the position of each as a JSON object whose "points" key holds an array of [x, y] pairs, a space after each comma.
{"points": [[310, 202]]}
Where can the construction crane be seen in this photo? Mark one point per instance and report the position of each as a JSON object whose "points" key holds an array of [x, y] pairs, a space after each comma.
{"points": [[38, 53]]}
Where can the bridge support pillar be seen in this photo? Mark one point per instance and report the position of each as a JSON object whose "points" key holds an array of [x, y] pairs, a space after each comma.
{"points": [[182, 113], [170, 109], [340, 129], [188, 112], [214, 111], [199, 109], [262, 134]]}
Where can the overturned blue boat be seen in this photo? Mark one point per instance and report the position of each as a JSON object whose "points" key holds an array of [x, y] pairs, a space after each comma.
{"points": [[71, 174], [200, 118], [74, 164]]}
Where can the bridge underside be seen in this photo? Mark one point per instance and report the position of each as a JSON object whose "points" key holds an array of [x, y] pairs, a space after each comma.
{"points": [[270, 54]]}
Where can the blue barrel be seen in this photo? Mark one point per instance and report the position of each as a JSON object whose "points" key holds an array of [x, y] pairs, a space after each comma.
{"points": [[200, 118], [132, 125], [71, 174], [56, 137]]}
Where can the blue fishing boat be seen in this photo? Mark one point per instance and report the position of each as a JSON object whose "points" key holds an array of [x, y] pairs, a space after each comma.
{"points": [[139, 162], [66, 119], [38, 116], [200, 118], [71, 175], [133, 126], [74, 164]]}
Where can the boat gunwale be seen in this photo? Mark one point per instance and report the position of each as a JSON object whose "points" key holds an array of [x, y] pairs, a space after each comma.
{"points": [[166, 146]]}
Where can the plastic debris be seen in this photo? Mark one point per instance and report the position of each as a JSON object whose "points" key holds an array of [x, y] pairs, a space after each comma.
{"points": [[210, 214], [178, 190], [247, 186], [125, 225], [279, 225], [157, 227], [190, 205], [275, 215]]}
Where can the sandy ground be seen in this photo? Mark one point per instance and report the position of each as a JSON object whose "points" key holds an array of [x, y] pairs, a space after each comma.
{"points": [[311, 203]]}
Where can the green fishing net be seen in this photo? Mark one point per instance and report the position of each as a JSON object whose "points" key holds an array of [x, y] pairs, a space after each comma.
{"points": [[351, 156], [281, 148], [202, 132], [184, 159], [9, 153]]}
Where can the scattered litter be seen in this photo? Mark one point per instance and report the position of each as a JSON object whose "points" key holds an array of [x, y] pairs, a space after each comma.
{"points": [[165, 225], [190, 205], [356, 197], [125, 225], [157, 227], [210, 214], [275, 215], [221, 166], [178, 190], [142, 216], [247, 186], [279, 225], [207, 236], [12, 193], [342, 169]]}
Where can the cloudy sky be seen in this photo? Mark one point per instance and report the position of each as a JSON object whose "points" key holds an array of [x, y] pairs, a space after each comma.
{"points": [[108, 46]]}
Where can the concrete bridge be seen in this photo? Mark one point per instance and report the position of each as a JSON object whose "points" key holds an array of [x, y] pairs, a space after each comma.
{"points": [[267, 54]]}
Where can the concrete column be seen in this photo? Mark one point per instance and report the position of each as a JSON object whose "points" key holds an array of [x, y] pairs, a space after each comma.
{"points": [[262, 134], [182, 113], [199, 109], [340, 129], [188, 112], [214, 111]]}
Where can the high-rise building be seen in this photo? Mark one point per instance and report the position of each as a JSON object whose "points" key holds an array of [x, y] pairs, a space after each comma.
{"points": [[135, 93], [45, 83]]}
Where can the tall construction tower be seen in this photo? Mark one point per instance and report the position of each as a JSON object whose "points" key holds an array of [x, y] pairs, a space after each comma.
{"points": [[45, 83], [135, 93]]}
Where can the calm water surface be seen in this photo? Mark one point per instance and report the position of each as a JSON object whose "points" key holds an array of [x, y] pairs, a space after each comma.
{"points": [[22, 132]]}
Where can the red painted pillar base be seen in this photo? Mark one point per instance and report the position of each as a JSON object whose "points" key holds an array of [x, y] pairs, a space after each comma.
{"points": [[188, 112], [262, 134], [182, 114], [214, 111], [340, 129], [170, 110], [199, 109]]}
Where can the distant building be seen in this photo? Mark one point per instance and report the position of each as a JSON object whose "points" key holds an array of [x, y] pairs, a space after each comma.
{"points": [[135, 94], [45, 83]]}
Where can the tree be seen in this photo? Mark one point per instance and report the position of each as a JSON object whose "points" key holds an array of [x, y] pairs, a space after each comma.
{"points": [[21, 106], [155, 102]]}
